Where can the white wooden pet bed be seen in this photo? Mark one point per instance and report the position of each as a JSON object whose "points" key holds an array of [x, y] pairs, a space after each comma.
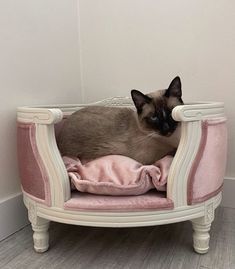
{"points": [[194, 182]]}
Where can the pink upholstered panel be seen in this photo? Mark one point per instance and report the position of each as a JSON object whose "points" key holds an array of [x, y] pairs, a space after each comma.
{"points": [[207, 173], [34, 179], [152, 200]]}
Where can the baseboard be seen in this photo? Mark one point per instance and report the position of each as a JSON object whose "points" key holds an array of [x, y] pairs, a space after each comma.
{"points": [[228, 197], [13, 215]]}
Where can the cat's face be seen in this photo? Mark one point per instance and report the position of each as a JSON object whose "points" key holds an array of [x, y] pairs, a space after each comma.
{"points": [[154, 109]]}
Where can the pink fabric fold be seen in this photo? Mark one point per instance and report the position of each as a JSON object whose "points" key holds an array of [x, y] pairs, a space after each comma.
{"points": [[117, 175]]}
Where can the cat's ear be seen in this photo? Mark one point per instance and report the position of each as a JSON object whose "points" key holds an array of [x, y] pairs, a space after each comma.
{"points": [[140, 99], [174, 89]]}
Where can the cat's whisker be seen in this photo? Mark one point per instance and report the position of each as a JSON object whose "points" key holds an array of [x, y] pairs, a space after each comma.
{"points": [[147, 137]]}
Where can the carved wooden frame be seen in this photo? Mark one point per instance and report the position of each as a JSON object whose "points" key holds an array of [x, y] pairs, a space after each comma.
{"points": [[201, 214]]}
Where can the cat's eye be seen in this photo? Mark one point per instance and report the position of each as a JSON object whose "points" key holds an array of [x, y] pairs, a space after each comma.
{"points": [[153, 118]]}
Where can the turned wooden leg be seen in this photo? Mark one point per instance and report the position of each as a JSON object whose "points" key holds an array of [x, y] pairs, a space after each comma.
{"points": [[41, 234], [201, 227], [201, 236], [40, 228]]}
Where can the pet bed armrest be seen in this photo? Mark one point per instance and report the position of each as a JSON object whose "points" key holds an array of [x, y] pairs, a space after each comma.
{"points": [[191, 117], [198, 111], [39, 115], [53, 175]]}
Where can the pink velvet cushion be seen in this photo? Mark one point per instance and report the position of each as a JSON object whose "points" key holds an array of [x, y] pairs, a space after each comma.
{"points": [[151, 200], [117, 175]]}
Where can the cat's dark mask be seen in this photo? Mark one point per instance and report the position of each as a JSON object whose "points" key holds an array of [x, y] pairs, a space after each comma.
{"points": [[154, 109]]}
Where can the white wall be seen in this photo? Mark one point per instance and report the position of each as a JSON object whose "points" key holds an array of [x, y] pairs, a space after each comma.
{"points": [[143, 44], [125, 44], [39, 64]]}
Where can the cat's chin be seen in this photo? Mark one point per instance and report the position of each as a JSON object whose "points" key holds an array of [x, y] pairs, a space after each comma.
{"points": [[166, 135], [154, 135], [159, 135]]}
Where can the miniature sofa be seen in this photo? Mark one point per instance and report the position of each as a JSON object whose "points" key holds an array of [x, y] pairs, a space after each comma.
{"points": [[194, 182]]}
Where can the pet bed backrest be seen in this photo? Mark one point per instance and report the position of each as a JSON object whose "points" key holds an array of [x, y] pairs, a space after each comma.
{"points": [[113, 102]]}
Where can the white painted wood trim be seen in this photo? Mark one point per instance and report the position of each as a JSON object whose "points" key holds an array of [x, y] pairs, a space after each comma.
{"points": [[58, 177], [179, 171], [198, 111], [39, 115], [13, 215], [121, 219]]}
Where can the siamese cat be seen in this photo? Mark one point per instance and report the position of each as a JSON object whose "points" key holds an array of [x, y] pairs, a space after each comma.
{"points": [[145, 135]]}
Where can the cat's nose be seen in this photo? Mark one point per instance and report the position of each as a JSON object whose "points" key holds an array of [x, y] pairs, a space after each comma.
{"points": [[166, 127], [165, 130]]}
